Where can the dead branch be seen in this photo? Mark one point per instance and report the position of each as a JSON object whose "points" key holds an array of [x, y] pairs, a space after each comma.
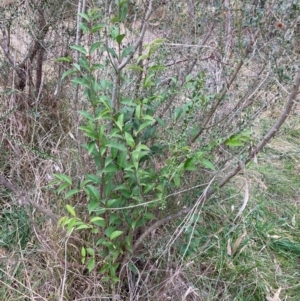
{"points": [[25, 199], [285, 113], [223, 93]]}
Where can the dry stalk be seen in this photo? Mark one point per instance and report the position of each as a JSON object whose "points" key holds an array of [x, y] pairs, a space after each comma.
{"points": [[25, 199], [285, 113]]}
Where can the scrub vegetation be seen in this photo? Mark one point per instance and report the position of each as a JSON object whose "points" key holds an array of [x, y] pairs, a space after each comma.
{"points": [[149, 150]]}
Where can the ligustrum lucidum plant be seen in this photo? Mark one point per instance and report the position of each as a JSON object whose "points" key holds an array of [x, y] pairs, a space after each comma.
{"points": [[125, 188], [127, 130]]}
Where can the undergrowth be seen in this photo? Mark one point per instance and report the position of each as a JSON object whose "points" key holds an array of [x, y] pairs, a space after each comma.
{"points": [[147, 163]]}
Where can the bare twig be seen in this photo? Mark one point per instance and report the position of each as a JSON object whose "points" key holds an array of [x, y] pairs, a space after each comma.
{"points": [[63, 284], [285, 113], [139, 40], [126, 60], [16, 190], [226, 88], [81, 8], [191, 6], [5, 45], [32, 52]]}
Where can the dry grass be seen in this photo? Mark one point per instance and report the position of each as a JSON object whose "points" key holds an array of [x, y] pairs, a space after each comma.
{"points": [[211, 254]]}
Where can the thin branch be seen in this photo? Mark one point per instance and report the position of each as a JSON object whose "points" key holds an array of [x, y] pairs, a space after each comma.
{"points": [[139, 40], [125, 61], [80, 9], [191, 6], [226, 88], [5, 45], [271, 133], [40, 55], [16, 190], [285, 113]]}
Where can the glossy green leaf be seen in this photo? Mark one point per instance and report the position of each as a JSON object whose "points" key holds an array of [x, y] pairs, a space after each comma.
{"points": [[156, 68], [160, 122], [94, 178], [148, 117], [71, 210], [91, 264], [176, 180], [93, 192], [109, 230], [142, 57], [135, 68], [114, 20], [103, 270], [128, 51], [113, 203], [143, 126], [91, 135], [234, 143], [115, 234], [120, 38], [115, 279], [87, 129], [148, 81], [206, 163], [71, 224], [92, 206], [77, 67], [84, 27], [63, 178], [129, 139], [90, 251], [141, 222], [91, 145], [189, 164], [177, 113], [118, 146], [83, 226], [112, 52], [80, 81], [110, 168], [94, 47], [97, 27], [119, 122], [149, 216], [142, 147], [79, 48], [98, 221], [62, 221], [67, 59], [114, 219], [128, 241], [85, 16], [108, 160], [67, 73], [96, 218], [114, 152], [121, 187], [115, 133], [138, 111], [124, 10], [95, 67], [62, 187], [71, 193], [108, 188]]}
